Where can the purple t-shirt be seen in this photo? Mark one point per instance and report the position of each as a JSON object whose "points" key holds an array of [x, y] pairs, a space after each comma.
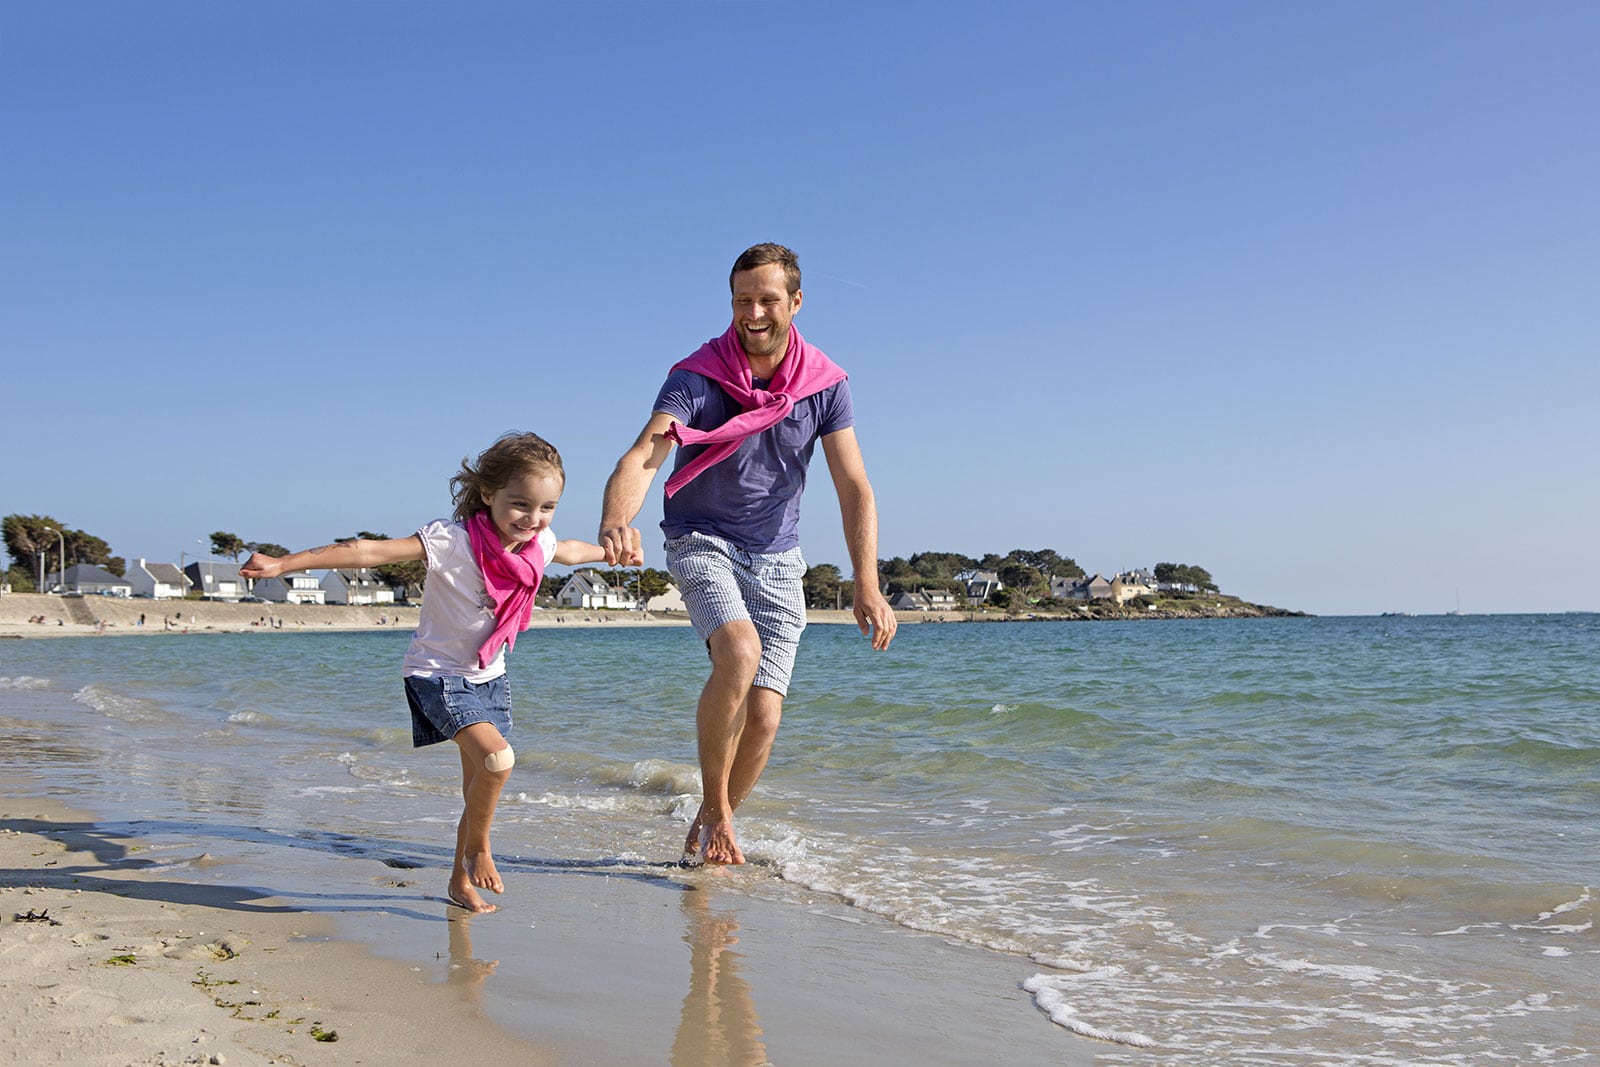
{"points": [[752, 498]]}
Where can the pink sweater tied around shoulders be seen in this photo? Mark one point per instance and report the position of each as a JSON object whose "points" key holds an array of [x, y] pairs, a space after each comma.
{"points": [[803, 371], [512, 579]]}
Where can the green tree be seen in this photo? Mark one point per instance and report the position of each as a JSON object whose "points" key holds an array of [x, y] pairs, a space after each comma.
{"points": [[29, 536], [227, 544], [1029, 581], [550, 585], [1187, 573], [1046, 561], [652, 583], [823, 586], [941, 565], [267, 548]]}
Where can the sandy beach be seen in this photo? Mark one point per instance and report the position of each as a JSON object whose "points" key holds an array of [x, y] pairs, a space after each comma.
{"points": [[114, 956], [121, 949]]}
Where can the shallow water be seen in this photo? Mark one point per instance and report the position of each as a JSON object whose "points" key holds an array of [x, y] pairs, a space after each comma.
{"points": [[1266, 841]]}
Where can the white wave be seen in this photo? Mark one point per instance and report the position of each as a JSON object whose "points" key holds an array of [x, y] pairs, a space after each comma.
{"points": [[1049, 992], [24, 681], [119, 705], [579, 803]]}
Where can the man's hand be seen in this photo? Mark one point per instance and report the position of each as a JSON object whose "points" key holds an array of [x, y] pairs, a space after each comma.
{"points": [[875, 617], [623, 546]]}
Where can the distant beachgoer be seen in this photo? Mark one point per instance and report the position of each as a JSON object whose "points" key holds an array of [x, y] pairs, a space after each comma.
{"points": [[483, 570], [747, 410]]}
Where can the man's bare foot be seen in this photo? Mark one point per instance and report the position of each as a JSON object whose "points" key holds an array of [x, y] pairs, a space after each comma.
{"points": [[462, 895], [481, 872], [718, 845]]}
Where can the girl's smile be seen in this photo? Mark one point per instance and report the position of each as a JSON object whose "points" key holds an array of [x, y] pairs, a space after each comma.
{"points": [[524, 506]]}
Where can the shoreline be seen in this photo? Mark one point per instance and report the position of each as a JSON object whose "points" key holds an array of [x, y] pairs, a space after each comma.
{"points": [[142, 943], [92, 616], [113, 955]]}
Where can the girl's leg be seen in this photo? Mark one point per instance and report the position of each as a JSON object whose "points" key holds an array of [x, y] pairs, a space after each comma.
{"points": [[480, 791]]}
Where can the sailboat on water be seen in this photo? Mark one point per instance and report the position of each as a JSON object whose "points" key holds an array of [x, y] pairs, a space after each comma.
{"points": [[1458, 603]]}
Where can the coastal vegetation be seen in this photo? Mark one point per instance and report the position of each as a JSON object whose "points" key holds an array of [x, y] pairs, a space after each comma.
{"points": [[1021, 581]]}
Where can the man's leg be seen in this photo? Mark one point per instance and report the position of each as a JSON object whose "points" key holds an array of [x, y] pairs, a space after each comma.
{"points": [[720, 721], [763, 709], [760, 714]]}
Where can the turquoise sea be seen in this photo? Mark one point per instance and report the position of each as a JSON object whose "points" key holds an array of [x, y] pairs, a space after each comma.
{"points": [[1274, 841]]}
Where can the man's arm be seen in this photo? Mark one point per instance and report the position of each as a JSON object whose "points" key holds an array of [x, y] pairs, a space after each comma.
{"points": [[859, 509], [345, 555], [626, 489]]}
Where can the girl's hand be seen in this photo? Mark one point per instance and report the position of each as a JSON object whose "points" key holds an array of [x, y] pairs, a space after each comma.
{"points": [[259, 566]]}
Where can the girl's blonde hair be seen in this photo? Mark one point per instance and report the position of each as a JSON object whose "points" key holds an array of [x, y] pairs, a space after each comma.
{"points": [[511, 455]]}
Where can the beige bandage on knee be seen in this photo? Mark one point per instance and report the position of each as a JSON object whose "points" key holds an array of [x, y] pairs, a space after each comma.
{"points": [[503, 760]]}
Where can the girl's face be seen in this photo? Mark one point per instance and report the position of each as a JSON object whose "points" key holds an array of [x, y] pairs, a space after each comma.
{"points": [[523, 506]]}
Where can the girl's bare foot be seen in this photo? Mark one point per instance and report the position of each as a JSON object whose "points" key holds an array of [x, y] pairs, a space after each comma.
{"points": [[481, 871], [463, 895]]}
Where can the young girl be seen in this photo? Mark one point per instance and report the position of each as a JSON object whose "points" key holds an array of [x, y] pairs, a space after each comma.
{"points": [[483, 572]]}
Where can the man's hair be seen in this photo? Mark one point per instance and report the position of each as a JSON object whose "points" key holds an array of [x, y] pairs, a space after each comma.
{"points": [[762, 254], [511, 455]]}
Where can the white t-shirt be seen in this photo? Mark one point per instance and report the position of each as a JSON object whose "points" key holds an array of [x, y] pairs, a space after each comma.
{"points": [[457, 614]]}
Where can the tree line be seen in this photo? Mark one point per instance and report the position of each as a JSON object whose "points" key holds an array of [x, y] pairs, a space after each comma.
{"points": [[1024, 573]]}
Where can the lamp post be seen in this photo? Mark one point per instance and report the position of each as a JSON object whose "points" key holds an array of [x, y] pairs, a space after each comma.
{"points": [[63, 541], [183, 581]]}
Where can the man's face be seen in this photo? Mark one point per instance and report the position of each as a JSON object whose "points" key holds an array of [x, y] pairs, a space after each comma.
{"points": [[762, 311]]}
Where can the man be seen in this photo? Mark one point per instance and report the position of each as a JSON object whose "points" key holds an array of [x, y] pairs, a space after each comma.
{"points": [[747, 410]]}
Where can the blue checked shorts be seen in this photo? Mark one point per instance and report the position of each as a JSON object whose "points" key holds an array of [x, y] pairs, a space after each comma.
{"points": [[721, 582]]}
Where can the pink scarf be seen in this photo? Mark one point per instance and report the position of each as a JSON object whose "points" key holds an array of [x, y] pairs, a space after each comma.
{"points": [[803, 371], [512, 579]]}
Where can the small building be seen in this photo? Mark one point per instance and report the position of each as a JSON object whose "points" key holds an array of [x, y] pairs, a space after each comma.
{"points": [[924, 600], [299, 588], [216, 580], [1093, 587], [86, 579], [359, 586], [587, 589], [907, 601], [158, 581], [1129, 585], [980, 585], [671, 600]]}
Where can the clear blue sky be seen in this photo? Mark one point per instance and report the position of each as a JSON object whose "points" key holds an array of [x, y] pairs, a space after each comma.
{"points": [[1307, 294]]}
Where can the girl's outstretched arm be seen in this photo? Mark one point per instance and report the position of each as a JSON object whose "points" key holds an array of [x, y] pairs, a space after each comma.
{"points": [[571, 553], [341, 556]]}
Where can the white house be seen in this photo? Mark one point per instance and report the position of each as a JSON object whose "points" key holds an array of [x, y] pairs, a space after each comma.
{"points": [[299, 588], [671, 600], [924, 600], [586, 589], [980, 584], [1129, 585], [356, 587], [159, 581], [216, 580], [87, 579]]}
